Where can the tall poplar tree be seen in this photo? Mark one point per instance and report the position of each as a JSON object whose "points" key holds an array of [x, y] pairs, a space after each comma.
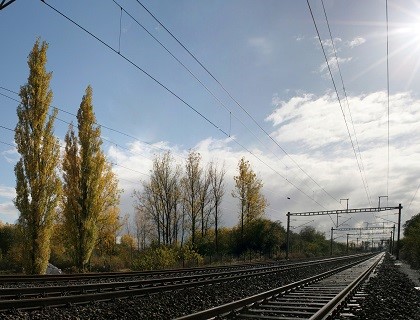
{"points": [[248, 189], [90, 187], [37, 183], [191, 185], [217, 189]]}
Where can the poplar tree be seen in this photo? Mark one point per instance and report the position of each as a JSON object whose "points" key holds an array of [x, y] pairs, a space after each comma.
{"points": [[191, 185], [248, 189], [37, 182], [217, 190], [91, 192]]}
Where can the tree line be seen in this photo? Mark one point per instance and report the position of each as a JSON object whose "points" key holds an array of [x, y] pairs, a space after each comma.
{"points": [[68, 199], [73, 195], [410, 244]]}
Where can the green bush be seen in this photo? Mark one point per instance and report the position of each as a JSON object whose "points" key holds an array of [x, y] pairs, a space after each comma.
{"points": [[166, 257]]}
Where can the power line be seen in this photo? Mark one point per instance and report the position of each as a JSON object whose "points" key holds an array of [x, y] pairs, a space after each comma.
{"points": [[172, 93], [131, 151], [133, 170], [235, 100], [205, 87], [97, 123], [339, 101], [6, 143], [345, 94], [136, 66], [115, 164], [5, 3], [415, 193], [7, 128], [63, 147]]}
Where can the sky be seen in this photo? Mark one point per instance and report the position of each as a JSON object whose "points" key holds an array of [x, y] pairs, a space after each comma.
{"points": [[254, 83]]}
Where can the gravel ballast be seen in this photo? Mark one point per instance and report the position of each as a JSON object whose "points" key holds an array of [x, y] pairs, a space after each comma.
{"points": [[391, 296]]}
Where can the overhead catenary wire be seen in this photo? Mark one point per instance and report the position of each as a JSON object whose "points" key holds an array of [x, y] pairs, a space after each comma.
{"points": [[115, 164], [345, 95], [150, 144], [175, 95], [206, 88], [136, 66], [103, 138], [6, 143], [339, 101], [414, 195], [363, 172], [234, 100], [69, 123]]}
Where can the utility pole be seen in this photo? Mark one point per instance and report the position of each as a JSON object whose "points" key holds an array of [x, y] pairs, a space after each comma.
{"points": [[390, 244], [345, 199], [347, 244], [379, 203], [332, 233], [393, 239], [288, 236], [397, 256]]}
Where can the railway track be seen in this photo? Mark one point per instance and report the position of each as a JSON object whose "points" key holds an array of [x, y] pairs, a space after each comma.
{"points": [[62, 293], [8, 280], [319, 297]]}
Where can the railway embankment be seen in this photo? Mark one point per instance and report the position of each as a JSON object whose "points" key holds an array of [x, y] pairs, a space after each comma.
{"points": [[391, 294]]}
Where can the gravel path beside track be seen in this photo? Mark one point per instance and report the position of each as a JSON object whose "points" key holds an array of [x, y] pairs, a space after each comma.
{"points": [[413, 274], [391, 295]]}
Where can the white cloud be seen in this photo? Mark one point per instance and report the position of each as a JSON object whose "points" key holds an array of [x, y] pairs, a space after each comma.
{"points": [[7, 192], [322, 116], [8, 208], [329, 47], [356, 42], [261, 44], [312, 130], [8, 212], [11, 155], [329, 44], [332, 62]]}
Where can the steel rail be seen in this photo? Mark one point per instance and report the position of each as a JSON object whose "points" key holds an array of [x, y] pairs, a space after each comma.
{"points": [[75, 294], [7, 279], [142, 283], [259, 298], [333, 306]]}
